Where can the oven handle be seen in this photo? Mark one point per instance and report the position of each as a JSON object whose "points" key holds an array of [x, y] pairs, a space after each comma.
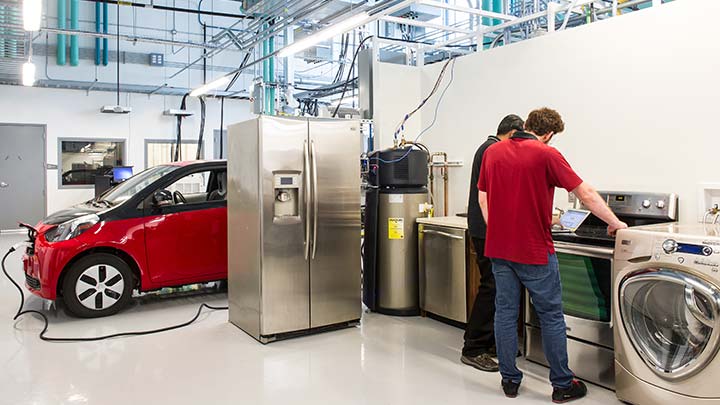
{"points": [[583, 249]]}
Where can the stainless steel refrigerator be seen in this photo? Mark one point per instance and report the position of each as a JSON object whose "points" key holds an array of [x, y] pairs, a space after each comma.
{"points": [[293, 225]]}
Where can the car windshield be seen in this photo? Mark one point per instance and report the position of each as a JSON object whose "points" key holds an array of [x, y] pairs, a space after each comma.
{"points": [[135, 184]]}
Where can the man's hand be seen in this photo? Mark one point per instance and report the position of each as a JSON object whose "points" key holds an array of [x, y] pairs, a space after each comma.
{"points": [[613, 228], [556, 220], [592, 200]]}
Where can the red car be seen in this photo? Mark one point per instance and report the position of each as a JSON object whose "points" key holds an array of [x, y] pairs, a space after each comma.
{"points": [[164, 227]]}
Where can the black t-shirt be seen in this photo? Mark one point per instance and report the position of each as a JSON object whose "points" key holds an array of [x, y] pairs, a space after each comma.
{"points": [[476, 223]]}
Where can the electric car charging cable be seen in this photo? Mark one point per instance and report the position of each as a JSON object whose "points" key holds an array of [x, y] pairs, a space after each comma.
{"points": [[21, 311]]}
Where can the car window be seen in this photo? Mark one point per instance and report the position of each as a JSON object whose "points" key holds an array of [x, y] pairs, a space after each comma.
{"points": [[137, 183], [191, 189]]}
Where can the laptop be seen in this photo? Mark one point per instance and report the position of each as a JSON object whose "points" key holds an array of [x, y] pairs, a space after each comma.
{"points": [[571, 220]]}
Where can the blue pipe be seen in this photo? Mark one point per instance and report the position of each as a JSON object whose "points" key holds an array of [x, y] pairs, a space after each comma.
{"points": [[61, 15], [105, 31], [265, 76], [74, 25], [98, 16], [497, 7]]}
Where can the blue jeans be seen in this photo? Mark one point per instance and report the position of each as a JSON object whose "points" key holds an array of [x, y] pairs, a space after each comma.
{"points": [[543, 284]]}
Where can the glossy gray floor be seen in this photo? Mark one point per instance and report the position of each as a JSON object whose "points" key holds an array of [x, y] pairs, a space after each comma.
{"points": [[386, 361]]}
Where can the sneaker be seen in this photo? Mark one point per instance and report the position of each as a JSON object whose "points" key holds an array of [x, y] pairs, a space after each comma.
{"points": [[481, 362], [576, 390], [510, 388]]}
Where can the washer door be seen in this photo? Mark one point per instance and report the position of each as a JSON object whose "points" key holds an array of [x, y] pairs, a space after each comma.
{"points": [[672, 319]]}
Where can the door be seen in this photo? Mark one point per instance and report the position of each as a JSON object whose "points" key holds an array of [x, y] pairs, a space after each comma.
{"points": [[22, 174], [335, 258], [285, 226], [186, 242], [672, 319]]}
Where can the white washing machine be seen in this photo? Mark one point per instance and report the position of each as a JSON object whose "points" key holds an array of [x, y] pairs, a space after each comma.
{"points": [[666, 306]]}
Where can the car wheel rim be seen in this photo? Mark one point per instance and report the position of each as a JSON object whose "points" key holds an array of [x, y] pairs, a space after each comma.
{"points": [[99, 287]]}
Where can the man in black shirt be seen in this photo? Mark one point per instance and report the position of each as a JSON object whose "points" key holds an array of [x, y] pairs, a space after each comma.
{"points": [[479, 347]]}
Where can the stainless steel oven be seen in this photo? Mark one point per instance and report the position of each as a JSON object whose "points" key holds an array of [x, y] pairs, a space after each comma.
{"points": [[586, 267], [585, 274]]}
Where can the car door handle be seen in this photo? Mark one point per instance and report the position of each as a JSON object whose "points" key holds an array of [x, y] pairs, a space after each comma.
{"points": [[4, 185]]}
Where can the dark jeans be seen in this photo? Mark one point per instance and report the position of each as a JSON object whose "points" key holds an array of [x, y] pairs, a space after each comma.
{"points": [[480, 332], [543, 284]]}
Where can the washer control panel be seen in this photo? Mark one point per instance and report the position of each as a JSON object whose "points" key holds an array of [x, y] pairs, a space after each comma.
{"points": [[703, 256]]}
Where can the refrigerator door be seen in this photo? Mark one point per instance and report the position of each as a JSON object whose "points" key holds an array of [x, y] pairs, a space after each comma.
{"points": [[335, 255], [285, 272]]}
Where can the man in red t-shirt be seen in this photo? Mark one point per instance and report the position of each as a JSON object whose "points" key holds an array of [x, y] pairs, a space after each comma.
{"points": [[516, 188]]}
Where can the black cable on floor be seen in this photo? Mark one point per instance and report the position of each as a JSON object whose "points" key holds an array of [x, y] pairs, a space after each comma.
{"points": [[21, 312]]}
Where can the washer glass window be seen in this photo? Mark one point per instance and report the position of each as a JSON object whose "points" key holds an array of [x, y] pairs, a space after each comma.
{"points": [[672, 320]]}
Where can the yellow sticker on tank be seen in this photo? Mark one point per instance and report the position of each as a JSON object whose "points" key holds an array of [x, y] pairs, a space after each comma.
{"points": [[396, 228]]}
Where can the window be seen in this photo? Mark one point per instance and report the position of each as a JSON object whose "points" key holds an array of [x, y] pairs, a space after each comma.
{"points": [[199, 187], [80, 160], [129, 188], [158, 152]]}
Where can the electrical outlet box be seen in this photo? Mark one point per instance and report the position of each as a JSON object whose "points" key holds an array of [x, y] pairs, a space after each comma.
{"points": [[156, 59], [708, 198]]}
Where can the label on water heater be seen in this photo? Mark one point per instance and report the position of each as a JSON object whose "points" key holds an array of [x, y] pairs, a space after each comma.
{"points": [[396, 198], [396, 228]]}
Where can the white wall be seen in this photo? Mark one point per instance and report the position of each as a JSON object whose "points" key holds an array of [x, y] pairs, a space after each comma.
{"points": [[638, 94], [72, 113], [396, 90]]}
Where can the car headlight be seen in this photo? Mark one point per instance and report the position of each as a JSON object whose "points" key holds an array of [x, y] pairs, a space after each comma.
{"points": [[72, 228]]}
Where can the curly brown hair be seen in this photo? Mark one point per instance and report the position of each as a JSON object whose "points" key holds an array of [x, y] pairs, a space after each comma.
{"points": [[543, 121]]}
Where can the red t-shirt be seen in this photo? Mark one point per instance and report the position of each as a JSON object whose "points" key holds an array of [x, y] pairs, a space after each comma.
{"points": [[519, 177]]}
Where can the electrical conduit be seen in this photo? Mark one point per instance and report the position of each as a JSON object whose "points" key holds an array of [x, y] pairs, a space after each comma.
{"points": [[74, 25], [61, 16]]}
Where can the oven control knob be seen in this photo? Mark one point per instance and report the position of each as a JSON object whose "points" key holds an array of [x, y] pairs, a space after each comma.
{"points": [[670, 246], [661, 204], [646, 203]]}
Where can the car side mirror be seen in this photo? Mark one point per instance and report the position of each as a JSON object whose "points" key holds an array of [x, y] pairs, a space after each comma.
{"points": [[162, 198]]}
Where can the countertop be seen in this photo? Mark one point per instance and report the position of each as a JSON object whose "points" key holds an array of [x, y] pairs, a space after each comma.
{"points": [[450, 222]]}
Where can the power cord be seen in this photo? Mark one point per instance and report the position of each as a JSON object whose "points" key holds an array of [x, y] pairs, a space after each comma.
{"points": [[21, 311], [437, 108]]}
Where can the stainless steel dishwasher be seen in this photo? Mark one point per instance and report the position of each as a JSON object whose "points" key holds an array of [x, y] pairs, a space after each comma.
{"points": [[442, 271]]}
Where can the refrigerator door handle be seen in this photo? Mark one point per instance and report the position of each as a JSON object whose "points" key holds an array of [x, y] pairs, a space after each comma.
{"points": [[314, 198], [306, 196]]}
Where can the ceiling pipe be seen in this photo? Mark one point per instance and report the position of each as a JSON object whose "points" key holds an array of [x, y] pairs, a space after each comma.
{"points": [[175, 9], [123, 37]]}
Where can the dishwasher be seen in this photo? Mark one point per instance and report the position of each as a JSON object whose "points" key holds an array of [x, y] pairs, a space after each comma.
{"points": [[443, 283]]}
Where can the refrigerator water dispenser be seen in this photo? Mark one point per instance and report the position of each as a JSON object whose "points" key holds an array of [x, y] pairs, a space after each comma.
{"points": [[286, 190]]}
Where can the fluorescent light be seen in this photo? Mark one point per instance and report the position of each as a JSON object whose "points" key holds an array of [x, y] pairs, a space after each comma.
{"points": [[28, 74], [325, 34], [206, 88], [32, 14]]}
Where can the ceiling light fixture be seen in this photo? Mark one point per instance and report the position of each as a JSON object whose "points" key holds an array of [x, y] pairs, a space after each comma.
{"points": [[32, 14], [206, 88], [326, 33]]}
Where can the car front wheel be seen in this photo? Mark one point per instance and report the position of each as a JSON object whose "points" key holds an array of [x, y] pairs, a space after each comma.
{"points": [[97, 285]]}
